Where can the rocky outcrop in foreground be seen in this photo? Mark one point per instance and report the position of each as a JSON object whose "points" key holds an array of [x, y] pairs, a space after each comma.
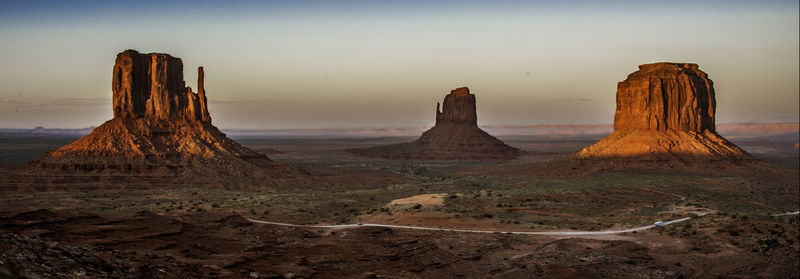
{"points": [[160, 127], [455, 136], [665, 113]]}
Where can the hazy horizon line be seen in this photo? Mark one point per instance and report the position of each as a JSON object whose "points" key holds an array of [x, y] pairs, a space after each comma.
{"points": [[405, 126]]}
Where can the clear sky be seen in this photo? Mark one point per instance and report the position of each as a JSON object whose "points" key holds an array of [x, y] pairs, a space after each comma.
{"points": [[312, 64]]}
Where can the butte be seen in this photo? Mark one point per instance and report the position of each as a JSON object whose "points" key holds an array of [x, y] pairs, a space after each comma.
{"points": [[455, 136], [665, 115], [161, 132]]}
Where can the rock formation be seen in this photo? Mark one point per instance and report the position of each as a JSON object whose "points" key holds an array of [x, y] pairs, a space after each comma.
{"points": [[459, 107], [666, 96], [455, 136], [160, 127], [665, 112], [151, 86]]}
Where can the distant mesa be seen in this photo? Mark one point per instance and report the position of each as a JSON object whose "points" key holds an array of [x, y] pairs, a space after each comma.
{"points": [[455, 136], [160, 126], [665, 113]]}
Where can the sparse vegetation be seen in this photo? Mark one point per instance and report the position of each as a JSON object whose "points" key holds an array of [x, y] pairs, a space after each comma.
{"points": [[481, 194]]}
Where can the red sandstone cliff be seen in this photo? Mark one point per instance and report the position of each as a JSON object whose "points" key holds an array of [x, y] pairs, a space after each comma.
{"points": [[151, 86], [666, 96], [665, 112]]}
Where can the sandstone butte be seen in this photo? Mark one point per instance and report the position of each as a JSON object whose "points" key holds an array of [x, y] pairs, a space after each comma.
{"points": [[455, 136], [160, 126], [665, 113]]}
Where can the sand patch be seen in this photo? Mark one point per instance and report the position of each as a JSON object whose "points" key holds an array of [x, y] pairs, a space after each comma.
{"points": [[423, 200]]}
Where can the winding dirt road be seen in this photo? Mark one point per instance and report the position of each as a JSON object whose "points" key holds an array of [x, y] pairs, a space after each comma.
{"points": [[561, 233], [557, 233]]}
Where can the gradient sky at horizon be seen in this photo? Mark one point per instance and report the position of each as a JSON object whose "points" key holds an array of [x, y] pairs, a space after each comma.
{"points": [[322, 64]]}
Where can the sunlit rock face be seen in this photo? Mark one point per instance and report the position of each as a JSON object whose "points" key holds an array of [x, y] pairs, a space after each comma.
{"points": [[665, 112], [160, 126], [666, 96], [455, 136], [151, 86]]}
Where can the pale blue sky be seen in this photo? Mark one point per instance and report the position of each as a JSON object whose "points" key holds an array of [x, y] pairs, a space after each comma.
{"points": [[309, 64]]}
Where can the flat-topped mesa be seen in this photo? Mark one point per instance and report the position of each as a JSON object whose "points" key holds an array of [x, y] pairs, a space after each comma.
{"points": [[151, 86], [665, 116], [666, 96], [458, 107]]}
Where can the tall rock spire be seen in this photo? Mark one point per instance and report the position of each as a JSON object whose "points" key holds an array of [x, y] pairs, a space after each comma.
{"points": [[201, 92]]}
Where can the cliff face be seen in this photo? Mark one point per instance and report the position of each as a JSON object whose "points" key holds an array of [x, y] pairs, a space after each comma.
{"points": [[666, 96], [665, 113], [459, 107], [455, 136], [152, 86]]}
